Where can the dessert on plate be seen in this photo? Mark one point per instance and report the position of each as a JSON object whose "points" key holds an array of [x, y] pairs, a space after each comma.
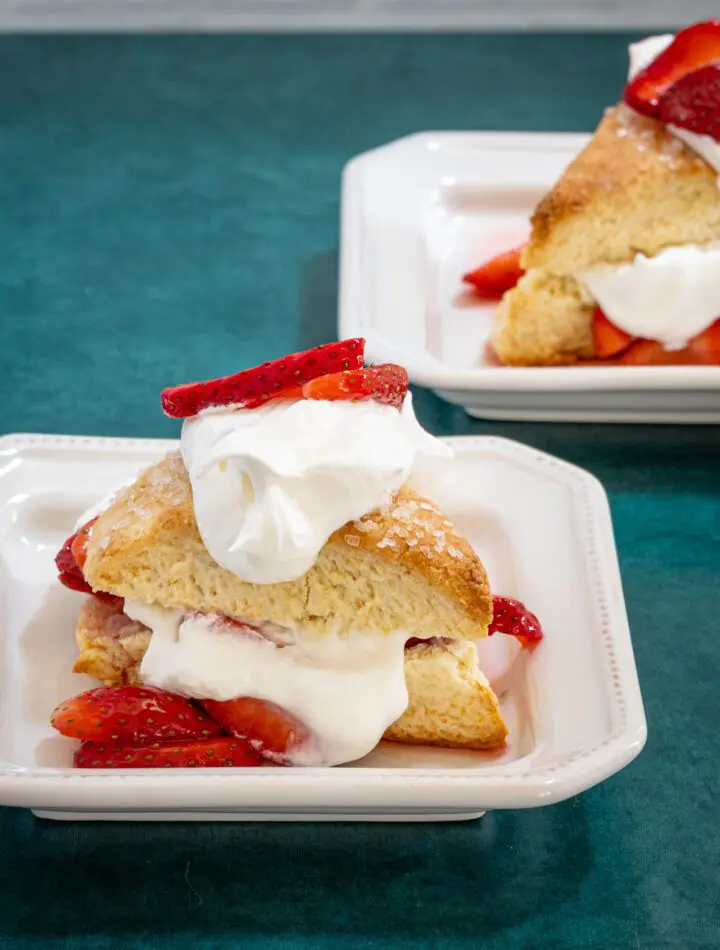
{"points": [[279, 590], [623, 261]]}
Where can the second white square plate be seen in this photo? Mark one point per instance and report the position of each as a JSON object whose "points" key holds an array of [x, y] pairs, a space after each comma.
{"points": [[420, 212]]}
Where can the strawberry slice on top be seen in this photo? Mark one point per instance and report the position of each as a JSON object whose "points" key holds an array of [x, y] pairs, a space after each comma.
{"points": [[386, 384], [692, 49], [254, 387], [693, 102]]}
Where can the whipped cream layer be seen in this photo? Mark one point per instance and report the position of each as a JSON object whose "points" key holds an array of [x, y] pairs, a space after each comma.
{"points": [[345, 691], [641, 55], [671, 297], [270, 485]]}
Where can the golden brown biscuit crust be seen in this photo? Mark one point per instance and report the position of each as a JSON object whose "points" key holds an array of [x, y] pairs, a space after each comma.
{"points": [[449, 703], [414, 534], [634, 187], [546, 320], [146, 546], [111, 644]]}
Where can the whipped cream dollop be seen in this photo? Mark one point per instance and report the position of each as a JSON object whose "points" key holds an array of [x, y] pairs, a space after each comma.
{"points": [[641, 55], [671, 297], [270, 485], [346, 691]]}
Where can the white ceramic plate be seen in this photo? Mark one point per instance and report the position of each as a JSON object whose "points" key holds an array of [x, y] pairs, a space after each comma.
{"points": [[420, 212], [541, 526]]}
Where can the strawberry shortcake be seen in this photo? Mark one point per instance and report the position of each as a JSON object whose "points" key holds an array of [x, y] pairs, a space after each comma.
{"points": [[623, 261], [278, 589]]}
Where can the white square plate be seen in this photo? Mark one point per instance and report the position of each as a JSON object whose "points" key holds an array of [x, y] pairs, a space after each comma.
{"points": [[420, 212], [542, 528]]}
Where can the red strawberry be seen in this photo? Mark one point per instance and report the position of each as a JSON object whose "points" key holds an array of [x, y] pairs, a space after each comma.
{"points": [[693, 102], [608, 339], [694, 47], [79, 543], [497, 275], [71, 557], [109, 598], [69, 571], [131, 714], [253, 387], [293, 393], [413, 642], [702, 350], [223, 752], [435, 641], [267, 727], [70, 560], [65, 559], [512, 617], [387, 383], [75, 582]]}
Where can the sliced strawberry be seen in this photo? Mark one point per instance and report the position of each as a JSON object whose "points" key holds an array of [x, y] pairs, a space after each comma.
{"points": [[70, 560], [693, 102], [253, 387], [71, 557], [224, 752], [694, 47], [702, 350], [109, 598], [387, 383], [131, 714], [79, 543], [267, 727], [497, 275], [512, 617], [434, 641], [293, 393], [65, 559], [608, 340], [414, 641], [69, 571], [75, 582]]}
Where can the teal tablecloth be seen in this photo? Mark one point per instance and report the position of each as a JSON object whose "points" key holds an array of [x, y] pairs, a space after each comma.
{"points": [[168, 210]]}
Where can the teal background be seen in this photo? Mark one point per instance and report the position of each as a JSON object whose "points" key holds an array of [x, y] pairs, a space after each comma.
{"points": [[169, 211]]}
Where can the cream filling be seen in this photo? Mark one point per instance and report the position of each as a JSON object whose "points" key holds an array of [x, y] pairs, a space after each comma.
{"points": [[345, 690], [671, 297]]}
